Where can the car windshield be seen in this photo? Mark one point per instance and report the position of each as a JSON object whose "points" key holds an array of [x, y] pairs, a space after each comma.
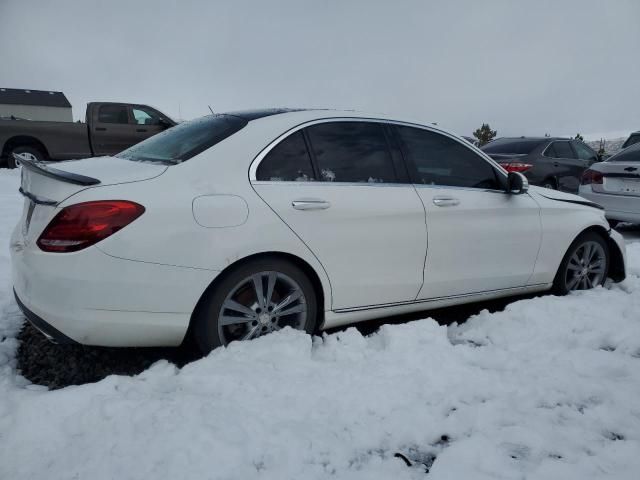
{"points": [[518, 146], [629, 154], [185, 140]]}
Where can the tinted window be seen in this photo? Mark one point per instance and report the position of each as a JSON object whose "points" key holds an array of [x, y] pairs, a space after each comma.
{"points": [[185, 140], [633, 139], [550, 151], [113, 114], [287, 161], [351, 152], [631, 154], [512, 145], [584, 152], [144, 116], [440, 160], [560, 150]]}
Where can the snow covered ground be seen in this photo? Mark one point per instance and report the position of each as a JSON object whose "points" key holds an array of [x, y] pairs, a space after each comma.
{"points": [[547, 389]]}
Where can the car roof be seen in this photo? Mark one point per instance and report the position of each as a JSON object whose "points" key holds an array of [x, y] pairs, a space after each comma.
{"points": [[303, 115], [550, 139]]}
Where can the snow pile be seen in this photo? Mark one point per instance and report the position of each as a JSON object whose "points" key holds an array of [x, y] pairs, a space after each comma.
{"points": [[548, 388]]}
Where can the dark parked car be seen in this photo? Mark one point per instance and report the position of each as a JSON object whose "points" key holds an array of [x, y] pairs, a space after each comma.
{"points": [[633, 139], [549, 162], [109, 129]]}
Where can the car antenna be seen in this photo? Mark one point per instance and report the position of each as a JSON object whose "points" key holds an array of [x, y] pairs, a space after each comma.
{"points": [[211, 109]]}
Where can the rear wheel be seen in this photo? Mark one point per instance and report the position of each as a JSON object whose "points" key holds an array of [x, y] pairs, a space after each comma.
{"points": [[26, 152], [550, 183], [255, 299], [584, 266]]}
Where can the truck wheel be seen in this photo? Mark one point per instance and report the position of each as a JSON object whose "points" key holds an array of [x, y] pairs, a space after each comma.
{"points": [[29, 153]]}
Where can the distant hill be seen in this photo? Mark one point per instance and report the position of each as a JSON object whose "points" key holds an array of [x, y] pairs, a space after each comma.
{"points": [[611, 145]]}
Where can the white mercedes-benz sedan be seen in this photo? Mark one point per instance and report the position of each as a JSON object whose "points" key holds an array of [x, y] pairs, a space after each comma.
{"points": [[236, 225]]}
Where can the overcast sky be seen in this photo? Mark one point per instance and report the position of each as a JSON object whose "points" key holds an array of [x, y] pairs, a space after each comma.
{"points": [[526, 67]]}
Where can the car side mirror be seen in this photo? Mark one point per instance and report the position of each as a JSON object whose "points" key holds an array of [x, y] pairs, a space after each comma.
{"points": [[164, 123], [517, 183]]}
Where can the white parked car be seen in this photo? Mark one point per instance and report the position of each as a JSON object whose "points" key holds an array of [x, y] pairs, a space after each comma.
{"points": [[232, 226], [615, 184]]}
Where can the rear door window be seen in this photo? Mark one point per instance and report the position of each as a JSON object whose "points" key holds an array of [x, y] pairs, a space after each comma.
{"points": [[351, 152], [560, 149], [440, 160], [288, 161], [113, 114]]}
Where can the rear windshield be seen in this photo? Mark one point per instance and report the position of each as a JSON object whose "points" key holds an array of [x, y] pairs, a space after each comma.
{"points": [[512, 145], [633, 139], [629, 154], [185, 140]]}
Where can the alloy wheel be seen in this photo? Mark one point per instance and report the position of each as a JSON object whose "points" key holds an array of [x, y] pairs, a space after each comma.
{"points": [[587, 267], [27, 156], [260, 304]]}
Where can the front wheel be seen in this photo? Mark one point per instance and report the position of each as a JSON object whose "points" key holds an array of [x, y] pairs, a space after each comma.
{"points": [[584, 266], [255, 299]]}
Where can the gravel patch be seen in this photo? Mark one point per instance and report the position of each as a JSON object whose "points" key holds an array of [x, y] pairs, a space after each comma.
{"points": [[58, 366]]}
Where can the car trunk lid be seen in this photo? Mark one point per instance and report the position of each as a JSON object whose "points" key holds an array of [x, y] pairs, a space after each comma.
{"points": [[619, 178], [46, 185]]}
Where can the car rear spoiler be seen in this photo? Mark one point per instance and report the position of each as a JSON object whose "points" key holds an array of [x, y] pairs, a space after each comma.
{"points": [[61, 175]]}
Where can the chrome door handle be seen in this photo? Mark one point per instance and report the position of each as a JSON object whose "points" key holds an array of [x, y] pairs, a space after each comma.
{"points": [[445, 201], [310, 204]]}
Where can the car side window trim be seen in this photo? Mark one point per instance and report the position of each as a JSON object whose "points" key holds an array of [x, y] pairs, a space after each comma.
{"points": [[265, 151]]}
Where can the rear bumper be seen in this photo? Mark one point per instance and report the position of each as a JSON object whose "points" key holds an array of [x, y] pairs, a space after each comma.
{"points": [[91, 298], [623, 208], [47, 330]]}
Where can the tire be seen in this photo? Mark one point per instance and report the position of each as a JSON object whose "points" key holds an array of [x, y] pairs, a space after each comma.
{"points": [[576, 272], [613, 223], [28, 151], [549, 183], [238, 287]]}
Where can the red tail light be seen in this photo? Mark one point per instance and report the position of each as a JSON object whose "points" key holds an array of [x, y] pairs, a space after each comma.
{"points": [[516, 166], [591, 177], [84, 224]]}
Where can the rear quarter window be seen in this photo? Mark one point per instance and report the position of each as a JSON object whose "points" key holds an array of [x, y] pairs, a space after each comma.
{"points": [[184, 141]]}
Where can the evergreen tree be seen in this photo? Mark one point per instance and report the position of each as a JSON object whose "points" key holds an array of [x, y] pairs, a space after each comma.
{"points": [[601, 149], [484, 134], [579, 137]]}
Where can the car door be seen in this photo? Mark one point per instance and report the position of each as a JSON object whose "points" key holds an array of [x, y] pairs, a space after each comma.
{"points": [[342, 189], [147, 122], [480, 238], [568, 167], [112, 130]]}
